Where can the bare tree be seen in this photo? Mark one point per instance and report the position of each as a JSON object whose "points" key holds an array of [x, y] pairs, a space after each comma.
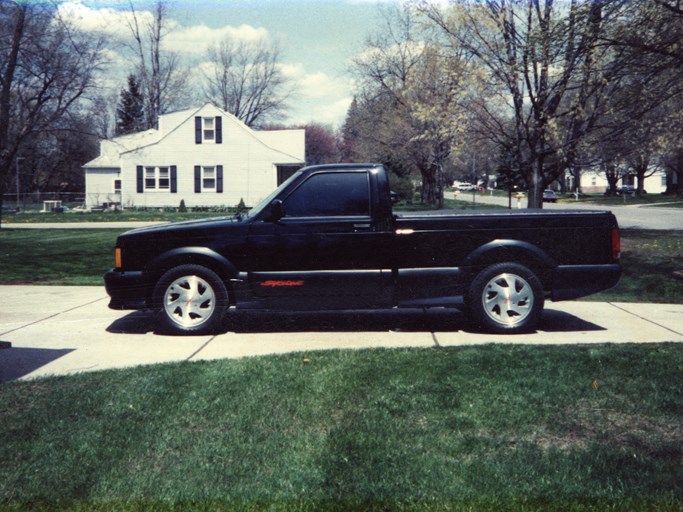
{"points": [[421, 85], [46, 69], [245, 79], [549, 59], [162, 78]]}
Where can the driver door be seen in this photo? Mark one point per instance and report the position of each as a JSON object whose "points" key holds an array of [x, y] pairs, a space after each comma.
{"points": [[326, 251]]}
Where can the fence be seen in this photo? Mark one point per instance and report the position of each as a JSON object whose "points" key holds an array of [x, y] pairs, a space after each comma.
{"points": [[34, 200]]}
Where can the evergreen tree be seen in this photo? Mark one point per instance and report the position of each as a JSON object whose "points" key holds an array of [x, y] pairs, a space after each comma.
{"points": [[130, 115]]}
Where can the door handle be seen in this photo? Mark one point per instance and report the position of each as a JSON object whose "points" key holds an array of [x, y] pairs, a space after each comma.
{"points": [[361, 226]]}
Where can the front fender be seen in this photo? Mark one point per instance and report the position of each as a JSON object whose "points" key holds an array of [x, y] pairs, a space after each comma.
{"points": [[193, 255]]}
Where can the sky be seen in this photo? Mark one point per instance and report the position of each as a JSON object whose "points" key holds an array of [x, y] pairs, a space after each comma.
{"points": [[317, 38]]}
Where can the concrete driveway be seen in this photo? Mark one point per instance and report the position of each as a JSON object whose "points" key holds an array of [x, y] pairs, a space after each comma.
{"points": [[57, 330]]}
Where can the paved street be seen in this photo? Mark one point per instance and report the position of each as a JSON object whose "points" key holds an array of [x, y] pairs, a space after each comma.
{"points": [[58, 330], [629, 216]]}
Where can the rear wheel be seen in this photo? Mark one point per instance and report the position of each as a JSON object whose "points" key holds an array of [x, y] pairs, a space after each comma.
{"points": [[192, 298], [506, 298]]}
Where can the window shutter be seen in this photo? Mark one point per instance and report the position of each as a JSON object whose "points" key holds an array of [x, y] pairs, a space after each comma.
{"points": [[219, 130], [219, 179], [197, 179], [197, 130], [140, 179], [174, 179]]}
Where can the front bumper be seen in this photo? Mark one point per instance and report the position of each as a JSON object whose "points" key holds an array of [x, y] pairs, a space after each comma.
{"points": [[127, 290], [574, 281]]}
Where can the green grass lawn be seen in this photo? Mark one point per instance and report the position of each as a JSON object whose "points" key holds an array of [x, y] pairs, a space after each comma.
{"points": [[491, 428], [649, 259], [668, 201], [56, 256], [151, 215]]}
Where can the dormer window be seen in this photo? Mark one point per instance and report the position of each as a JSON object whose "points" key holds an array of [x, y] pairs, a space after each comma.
{"points": [[208, 129]]}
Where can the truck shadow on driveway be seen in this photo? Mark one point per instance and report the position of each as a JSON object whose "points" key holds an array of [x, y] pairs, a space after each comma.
{"points": [[399, 320]]}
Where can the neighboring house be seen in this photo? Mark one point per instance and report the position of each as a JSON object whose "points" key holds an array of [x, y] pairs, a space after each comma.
{"points": [[595, 182], [204, 156]]}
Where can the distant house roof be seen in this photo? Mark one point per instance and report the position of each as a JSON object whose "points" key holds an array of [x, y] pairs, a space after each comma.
{"points": [[288, 142]]}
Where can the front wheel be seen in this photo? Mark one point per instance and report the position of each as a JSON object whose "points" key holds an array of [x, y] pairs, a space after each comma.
{"points": [[192, 299], [506, 298]]}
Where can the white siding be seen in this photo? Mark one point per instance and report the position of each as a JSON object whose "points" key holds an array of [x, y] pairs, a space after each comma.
{"points": [[248, 159], [99, 186]]}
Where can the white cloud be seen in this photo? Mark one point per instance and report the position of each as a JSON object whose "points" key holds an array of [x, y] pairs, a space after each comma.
{"points": [[196, 39], [334, 113], [314, 85], [192, 40], [111, 22], [319, 97]]}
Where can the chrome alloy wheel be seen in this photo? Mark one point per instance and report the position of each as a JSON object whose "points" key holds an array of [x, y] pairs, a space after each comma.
{"points": [[508, 299], [189, 301]]}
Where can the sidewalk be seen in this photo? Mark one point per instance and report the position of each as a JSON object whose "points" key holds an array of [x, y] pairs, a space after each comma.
{"points": [[59, 330], [79, 225]]}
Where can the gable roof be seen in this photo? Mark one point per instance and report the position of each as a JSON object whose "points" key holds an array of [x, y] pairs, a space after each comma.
{"points": [[281, 141]]}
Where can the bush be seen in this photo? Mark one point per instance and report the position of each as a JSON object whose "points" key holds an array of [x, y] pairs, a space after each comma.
{"points": [[241, 207]]}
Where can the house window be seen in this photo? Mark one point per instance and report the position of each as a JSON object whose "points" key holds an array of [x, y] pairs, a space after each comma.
{"points": [[209, 131], [150, 178], [117, 186], [164, 178], [157, 178], [208, 178]]}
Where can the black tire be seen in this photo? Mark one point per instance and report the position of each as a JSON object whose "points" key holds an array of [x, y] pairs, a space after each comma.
{"points": [[505, 298], [192, 300]]}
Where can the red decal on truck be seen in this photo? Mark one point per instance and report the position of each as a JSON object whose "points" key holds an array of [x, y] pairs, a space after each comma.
{"points": [[274, 283]]}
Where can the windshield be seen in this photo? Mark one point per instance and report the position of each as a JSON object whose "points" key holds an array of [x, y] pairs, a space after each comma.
{"points": [[264, 204]]}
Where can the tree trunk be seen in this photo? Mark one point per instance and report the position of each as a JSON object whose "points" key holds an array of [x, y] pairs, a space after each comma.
{"points": [[536, 185], [8, 153], [430, 190]]}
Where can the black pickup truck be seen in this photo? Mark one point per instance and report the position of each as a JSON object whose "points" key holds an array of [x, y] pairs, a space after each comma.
{"points": [[327, 239]]}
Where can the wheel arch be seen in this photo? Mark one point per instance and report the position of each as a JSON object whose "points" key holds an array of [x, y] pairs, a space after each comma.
{"points": [[203, 256], [512, 251]]}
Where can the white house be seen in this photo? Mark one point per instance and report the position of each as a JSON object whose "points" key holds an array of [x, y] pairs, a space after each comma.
{"points": [[594, 181], [204, 156]]}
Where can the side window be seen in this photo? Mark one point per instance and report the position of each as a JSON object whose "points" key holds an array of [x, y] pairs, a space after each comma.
{"points": [[333, 194]]}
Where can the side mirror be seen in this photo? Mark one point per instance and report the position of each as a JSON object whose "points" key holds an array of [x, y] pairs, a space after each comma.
{"points": [[277, 210], [395, 198]]}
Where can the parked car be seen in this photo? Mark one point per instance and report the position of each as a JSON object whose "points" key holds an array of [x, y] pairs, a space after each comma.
{"points": [[328, 239], [466, 187], [626, 189], [8, 210], [549, 196]]}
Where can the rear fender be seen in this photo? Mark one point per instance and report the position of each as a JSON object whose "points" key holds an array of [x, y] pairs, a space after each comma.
{"points": [[524, 253]]}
